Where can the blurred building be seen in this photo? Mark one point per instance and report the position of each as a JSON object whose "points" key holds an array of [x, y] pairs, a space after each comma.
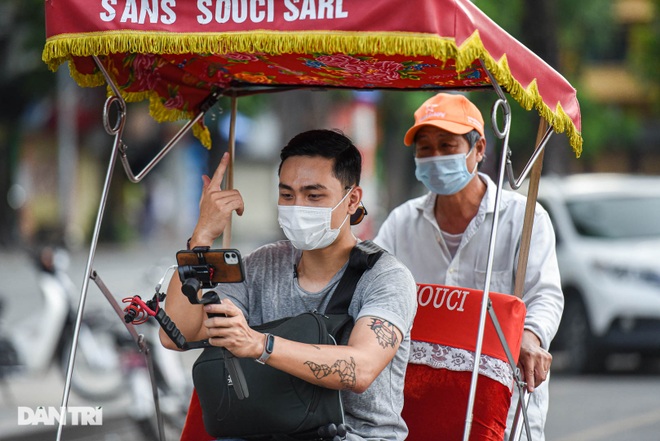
{"points": [[609, 77], [612, 77]]}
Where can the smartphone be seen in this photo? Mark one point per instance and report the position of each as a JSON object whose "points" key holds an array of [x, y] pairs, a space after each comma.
{"points": [[211, 267]]}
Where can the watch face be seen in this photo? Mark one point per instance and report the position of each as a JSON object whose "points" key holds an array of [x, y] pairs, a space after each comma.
{"points": [[270, 342]]}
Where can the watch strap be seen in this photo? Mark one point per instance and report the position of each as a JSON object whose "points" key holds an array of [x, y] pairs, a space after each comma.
{"points": [[268, 349]]}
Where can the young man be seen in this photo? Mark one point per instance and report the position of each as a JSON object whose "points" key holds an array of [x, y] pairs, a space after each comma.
{"points": [[443, 236], [319, 179]]}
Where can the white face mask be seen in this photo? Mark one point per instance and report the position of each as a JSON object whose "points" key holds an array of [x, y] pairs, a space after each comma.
{"points": [[309, 228]]}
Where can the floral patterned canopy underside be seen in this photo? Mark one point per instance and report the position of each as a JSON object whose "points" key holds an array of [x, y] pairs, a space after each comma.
{"points": [[182, 82]]}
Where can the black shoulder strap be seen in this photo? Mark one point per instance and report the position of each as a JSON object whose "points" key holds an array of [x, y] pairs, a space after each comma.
{"points": [[363, 256]]}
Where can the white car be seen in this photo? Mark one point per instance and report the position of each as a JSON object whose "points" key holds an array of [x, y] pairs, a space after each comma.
{"points": [[608, 248]]}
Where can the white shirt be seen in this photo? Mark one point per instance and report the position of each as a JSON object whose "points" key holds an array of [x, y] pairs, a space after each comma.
{"points": [[412, 234]]}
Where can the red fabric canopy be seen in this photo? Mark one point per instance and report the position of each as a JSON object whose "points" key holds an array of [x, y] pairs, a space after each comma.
{"points": [[177, 53]]}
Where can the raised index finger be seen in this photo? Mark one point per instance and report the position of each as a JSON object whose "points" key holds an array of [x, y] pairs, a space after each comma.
{"points": [[219, 173]]}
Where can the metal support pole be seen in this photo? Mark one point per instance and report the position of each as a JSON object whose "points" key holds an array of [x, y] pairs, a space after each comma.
{"points": [[521, 412], [88, 272], [504, 105], [505, 168], [229, 176], [528, 224], [142, 345]]}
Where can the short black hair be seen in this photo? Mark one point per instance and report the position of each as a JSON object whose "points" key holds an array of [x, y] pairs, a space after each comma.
{"points": [[330, 144], [472, 137]]}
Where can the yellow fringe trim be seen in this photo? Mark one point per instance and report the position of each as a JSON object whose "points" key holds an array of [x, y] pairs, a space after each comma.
{"points": [[61, 48], [157, 110]]}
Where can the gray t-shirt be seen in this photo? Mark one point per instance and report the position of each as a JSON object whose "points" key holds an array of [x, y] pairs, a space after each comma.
{"points": [[271, 291]]}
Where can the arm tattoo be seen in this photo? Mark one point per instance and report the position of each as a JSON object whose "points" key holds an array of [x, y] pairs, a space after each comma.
{"points": [[345, 369], [385, 333]]}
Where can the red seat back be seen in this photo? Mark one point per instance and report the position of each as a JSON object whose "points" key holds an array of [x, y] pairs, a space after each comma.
{"points": [[449, 315], [436, 400]]}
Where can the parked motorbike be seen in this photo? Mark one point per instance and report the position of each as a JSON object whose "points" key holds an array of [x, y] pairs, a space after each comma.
{"points": [[108, 365], [44, 335]]}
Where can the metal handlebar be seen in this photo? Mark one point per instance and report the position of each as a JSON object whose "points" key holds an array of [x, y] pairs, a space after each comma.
{"points": [[117, 129], [501, 104]]}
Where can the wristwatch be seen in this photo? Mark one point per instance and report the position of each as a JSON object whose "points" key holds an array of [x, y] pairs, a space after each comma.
{"points": [[268, 349]]}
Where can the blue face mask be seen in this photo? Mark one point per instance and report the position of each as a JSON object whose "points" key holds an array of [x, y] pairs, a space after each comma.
{"points": [[445, 175]]}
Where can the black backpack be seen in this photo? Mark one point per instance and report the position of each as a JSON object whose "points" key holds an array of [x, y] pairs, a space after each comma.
{"points": [[281, 406]]}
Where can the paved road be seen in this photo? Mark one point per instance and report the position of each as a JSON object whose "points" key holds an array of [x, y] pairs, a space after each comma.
{"points": [[609, 407], [613, 407], [45, 390], [117, 429]]}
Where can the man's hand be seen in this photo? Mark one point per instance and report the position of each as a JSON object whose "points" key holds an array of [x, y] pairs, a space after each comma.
{"points": [[534, 362], [215, 207], [231, 330]]}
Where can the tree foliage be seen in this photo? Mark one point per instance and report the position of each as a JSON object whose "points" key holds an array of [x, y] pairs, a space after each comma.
{"points": [[587, 33], [645, 55]]}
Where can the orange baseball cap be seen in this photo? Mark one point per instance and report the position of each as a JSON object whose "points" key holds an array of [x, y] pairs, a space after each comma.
{"points": [[451, 112]]}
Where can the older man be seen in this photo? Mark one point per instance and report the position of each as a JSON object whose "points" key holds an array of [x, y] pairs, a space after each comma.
{"points": [[443, 236]]}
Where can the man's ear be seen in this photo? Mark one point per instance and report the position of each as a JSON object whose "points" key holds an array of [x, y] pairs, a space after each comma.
{"points": [[355, 207], [480, 147]]}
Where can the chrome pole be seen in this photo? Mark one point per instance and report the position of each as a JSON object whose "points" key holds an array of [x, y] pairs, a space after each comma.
{"points": [[117, 129], [229, 177], [500, 103]]}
